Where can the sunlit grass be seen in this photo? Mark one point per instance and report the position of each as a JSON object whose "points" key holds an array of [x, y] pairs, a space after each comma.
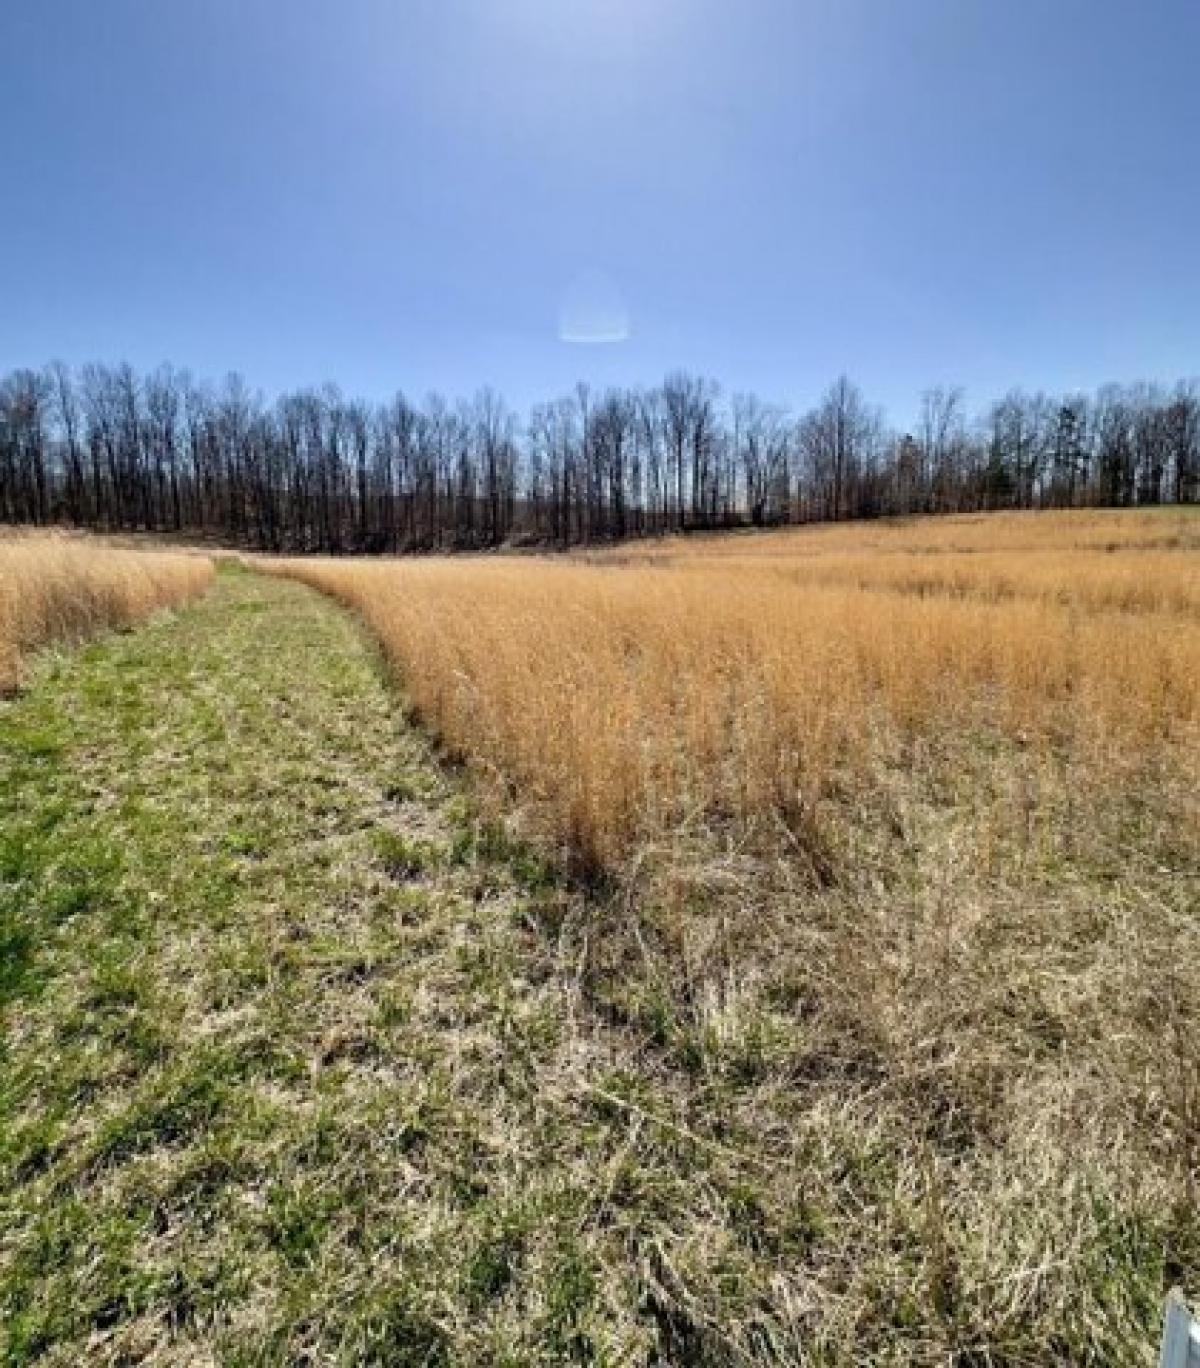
{"points": [[634, 694], [64, 589], [898, 831], [875, 1042]]}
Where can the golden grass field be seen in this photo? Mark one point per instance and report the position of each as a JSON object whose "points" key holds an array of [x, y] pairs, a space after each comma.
{"points": [[899, 829], [862, 1028], [737, 682], [57, 588]]}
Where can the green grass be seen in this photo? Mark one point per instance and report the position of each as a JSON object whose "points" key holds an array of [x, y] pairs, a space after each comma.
{"points": [[302, 1062], [272, 1021]]}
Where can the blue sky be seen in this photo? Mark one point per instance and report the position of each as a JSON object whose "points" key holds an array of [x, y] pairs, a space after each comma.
{"points": [[432, 195]]}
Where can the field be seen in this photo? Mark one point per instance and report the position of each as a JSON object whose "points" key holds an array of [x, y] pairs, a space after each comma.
{"points": [[64, 589], [728, 690], [772, 948]]}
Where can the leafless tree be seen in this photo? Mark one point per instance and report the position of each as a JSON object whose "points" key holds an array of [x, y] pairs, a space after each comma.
{"points": [[318, 472]]}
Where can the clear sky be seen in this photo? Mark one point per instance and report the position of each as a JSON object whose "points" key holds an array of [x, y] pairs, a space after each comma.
{"points": [[442, 193]]}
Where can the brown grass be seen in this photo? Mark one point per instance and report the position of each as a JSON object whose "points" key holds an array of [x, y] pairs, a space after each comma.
{"points": [[879, 1044], [64, 589], [740, 684], [901, 829]]}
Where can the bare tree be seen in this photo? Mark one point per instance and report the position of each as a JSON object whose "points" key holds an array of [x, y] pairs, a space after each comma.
{"points": [[318, 473]]}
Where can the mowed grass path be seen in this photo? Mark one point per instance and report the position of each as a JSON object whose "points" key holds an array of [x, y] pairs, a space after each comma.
{"points": [[280, 1036]]}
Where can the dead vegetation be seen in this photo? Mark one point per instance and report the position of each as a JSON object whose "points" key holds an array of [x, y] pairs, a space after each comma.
{"points": [[745, 683], [883, 1049], [901, 906], [64, 589]]}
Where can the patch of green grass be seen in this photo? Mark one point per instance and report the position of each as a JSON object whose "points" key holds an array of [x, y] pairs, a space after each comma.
{"points": [[298, 1218], [263, 1025], [406, 857]]}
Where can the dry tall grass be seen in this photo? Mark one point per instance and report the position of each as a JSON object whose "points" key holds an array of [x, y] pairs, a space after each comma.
{"points": [[645, 695], [64, 589], [903, 824]]}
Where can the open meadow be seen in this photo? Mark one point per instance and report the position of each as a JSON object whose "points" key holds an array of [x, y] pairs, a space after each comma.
{"points": [[748, 949], [900, 827]]}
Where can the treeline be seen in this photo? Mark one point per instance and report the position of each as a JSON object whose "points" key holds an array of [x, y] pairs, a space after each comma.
{"points": [[106, 448]]}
